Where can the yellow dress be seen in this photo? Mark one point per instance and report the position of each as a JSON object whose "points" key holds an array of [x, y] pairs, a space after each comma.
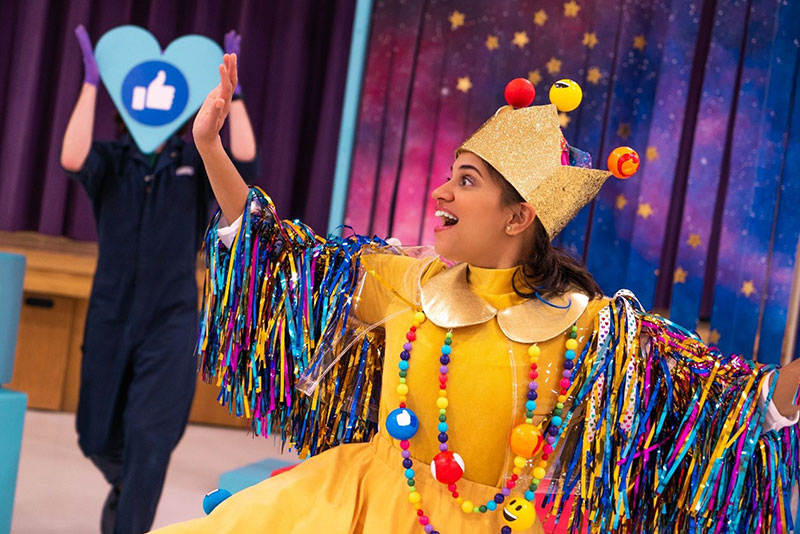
{"points": [[360, 488]]}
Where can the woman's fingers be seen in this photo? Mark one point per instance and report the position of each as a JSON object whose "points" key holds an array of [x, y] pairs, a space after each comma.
{"points": [[234, 70]]}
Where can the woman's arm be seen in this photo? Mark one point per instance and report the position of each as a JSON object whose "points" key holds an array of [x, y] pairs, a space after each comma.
{"points": [[786, 388], [229, 188], [78, 135]]}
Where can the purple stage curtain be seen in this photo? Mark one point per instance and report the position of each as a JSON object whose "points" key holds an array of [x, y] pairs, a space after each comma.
{"points": [[293, 67]]}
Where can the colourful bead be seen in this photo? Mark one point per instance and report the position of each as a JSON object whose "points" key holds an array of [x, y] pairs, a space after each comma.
{"points": [[529, 495], [443, 447], [403, 365], [442, 418], [448, 341], [517, 471], [560, 405], [539, 473], [562, 398], [442, 427], [499, 498], [482, 508], [414, 497], [445, 359], [526, 440], [423, 520], [572, 344], [442, 392], [419, 317], [542, 464], [448, 335], [565, 383], [547, 449], [407, 346], [441, 402], [519, 461], [405, 355], [402, 423], [409, 473], [555, 421], [411, 336], [446, 349], [403, 374], [467, 507], [401, 380], [491, 506], [404, 444], [443, 437], [402, 389], [534, 350], [407, 463], [570, 355], [530, 405], [529, 421]]}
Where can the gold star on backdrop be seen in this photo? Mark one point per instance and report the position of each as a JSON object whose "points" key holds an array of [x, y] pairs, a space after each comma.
{"points": [[652, 153], [464, 84], [621, 202], [590, 39], [540, 17], [748, 288], [714, 336], [492, 42], [594, 75], [456, 20], [645, 210], [563, 120], [680, 276], [534, 76], [694, 240], [624, 130], [571, 9], [639, 42], [553, 66], [520, 39]]}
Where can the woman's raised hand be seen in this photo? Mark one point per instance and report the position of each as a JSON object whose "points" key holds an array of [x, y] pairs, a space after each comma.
{"points": [[215, 108]]}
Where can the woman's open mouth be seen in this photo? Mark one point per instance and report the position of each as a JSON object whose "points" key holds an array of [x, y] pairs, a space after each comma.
{"points": [[448, 220]]}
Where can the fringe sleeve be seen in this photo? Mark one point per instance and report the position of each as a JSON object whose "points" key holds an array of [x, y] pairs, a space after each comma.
{"points": [[275, 305], [667, 437]]}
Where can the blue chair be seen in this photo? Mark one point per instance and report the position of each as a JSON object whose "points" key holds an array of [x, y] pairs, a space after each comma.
{"points": [[12, 403]]}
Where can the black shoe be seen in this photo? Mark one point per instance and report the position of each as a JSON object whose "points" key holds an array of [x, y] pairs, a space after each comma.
{"points": [[109, 516]]}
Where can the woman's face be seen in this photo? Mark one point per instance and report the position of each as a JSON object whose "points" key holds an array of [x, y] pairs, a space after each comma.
{"points": [[471, 218]]}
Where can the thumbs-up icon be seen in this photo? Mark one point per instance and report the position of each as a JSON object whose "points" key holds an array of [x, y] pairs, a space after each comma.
{"points": [[157, 95]]}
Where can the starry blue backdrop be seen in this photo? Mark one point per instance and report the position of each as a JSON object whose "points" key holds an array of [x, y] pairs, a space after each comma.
{"points": [[704, 90]]}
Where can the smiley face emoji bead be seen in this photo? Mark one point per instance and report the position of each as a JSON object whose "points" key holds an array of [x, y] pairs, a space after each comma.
{"points": [[519, 514], [566, 95]]}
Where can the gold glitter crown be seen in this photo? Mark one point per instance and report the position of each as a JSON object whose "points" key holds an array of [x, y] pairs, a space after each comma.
{"points": [[524, 145]]}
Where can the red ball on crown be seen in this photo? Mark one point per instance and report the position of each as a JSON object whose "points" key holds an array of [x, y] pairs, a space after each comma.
{"points": [[519, 93]]}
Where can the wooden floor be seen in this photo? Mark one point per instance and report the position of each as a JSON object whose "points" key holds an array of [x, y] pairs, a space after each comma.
{"points": [[59, 491]]}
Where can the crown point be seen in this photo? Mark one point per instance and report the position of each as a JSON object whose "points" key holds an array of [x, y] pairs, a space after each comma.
{"points": [[520, 93], [566, 95]]}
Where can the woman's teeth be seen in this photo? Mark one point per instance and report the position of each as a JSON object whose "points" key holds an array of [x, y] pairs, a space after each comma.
{"points": [[447, 218]]}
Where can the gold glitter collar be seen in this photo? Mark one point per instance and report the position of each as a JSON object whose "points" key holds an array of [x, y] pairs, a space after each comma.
{"points": [[449, 302]]}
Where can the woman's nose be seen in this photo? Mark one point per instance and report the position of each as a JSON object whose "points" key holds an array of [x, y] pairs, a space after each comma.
{"points": [[443, 192]]}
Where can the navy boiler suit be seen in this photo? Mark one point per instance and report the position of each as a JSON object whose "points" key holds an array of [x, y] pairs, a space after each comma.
{"points": [[138, 369]]}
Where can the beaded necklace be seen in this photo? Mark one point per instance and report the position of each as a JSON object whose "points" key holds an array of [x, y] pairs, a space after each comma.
{"points": [[527, 440]]}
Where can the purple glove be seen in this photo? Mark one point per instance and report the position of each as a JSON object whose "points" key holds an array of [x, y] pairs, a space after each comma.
{"points": [[91, 74], [233, 42]]}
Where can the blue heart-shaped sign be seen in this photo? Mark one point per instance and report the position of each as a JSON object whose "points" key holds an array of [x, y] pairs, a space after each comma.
{"points": [[156, 92]]}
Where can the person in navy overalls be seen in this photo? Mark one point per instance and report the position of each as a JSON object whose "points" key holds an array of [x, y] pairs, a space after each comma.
{"points": [[138, 369]]}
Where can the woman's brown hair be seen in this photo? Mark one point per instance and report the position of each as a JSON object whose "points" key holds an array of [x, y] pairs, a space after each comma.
{"points": [[548, 270]]}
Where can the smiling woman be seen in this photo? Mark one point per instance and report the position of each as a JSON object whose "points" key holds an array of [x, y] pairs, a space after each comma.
{"points": [[525, 390]]}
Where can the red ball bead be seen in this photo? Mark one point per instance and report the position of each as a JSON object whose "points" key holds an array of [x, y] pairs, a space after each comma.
{"points": [[519, 93], [447, 467]]}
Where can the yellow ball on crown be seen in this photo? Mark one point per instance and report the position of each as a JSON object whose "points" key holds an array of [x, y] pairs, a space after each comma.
{"points": [[566, 95]]}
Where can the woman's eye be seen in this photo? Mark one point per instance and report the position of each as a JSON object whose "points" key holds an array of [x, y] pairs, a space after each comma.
{"points": [[465, 180]]}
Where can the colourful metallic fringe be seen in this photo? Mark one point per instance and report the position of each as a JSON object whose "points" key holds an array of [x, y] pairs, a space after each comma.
{"points": [[667, 437], [275, 305]]}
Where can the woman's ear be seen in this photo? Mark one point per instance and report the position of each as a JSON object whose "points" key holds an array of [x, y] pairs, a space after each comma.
{"points": [[520, 218]]}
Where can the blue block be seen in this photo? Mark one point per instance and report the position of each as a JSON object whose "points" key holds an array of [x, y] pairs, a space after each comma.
{"points": [[250, 475], [12, 417], [12, 272]]}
